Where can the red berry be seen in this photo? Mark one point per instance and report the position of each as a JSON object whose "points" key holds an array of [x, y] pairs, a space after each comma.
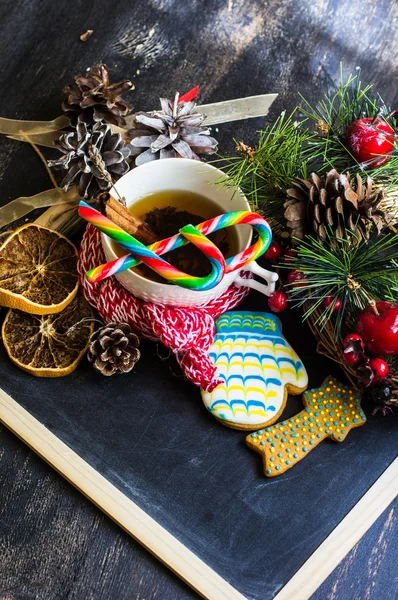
{"points": [[289, 254], [380, 369], [353, 349], [332, 300], [295, 277], [350, 358], [369, 138], [353, 337], [277, 301], [274, 251], [379, 331]]}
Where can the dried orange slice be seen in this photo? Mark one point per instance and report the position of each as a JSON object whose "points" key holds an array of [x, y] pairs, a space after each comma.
{"points": [[49, 345], [38, 270]]}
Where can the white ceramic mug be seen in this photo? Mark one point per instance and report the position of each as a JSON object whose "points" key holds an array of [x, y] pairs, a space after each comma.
{"points": [[187, 175]]}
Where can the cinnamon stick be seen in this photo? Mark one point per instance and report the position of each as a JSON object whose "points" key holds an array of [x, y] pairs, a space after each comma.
{"points": [[122, 217]]}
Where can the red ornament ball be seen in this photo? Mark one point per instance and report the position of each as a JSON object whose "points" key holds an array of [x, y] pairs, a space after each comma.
{"points": [[295, 277], [277, 301], [331, 300], [274, 251], [380, 369], [369, 138], [379, 331]]}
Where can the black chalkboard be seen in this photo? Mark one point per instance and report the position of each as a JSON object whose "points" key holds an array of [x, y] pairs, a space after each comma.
{"points": [[149, 434]]}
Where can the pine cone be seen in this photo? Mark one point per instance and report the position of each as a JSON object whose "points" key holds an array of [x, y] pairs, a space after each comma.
{"points": [[114, 349], [92, 156], [91, 98], [174, 131], [335, 203]]}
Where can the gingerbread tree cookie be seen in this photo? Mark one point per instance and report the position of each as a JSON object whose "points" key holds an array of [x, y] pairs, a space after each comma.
{"points": [[331, 411]]}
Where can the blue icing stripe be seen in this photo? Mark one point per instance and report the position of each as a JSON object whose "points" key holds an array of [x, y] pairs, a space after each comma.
{"points": [[245, 379], [267, 357], [274, 381], [253, 355], [247, 322], [220, 404]]}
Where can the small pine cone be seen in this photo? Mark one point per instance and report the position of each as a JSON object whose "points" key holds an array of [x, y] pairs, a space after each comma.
{"points": [[93, 157], [336, 204], [91, 98], [175, 131], [114, 349]]}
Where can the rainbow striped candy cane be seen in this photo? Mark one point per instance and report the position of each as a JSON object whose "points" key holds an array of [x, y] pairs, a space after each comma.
{"points": [[155, 262], [226, 220]]}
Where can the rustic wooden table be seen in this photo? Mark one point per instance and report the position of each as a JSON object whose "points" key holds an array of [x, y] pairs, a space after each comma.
{"points": [[53, 543]]}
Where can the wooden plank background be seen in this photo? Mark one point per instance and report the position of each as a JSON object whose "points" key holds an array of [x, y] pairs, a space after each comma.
{"points": [[53, 543]]}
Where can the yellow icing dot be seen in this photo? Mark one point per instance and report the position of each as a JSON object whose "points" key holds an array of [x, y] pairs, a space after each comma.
{"points": [[313, 436], [283, 445], [272, 449], [322, 412], [282, 460], [304, 429], [321, 429], [338, 429], [290, 455], [328, 389]]}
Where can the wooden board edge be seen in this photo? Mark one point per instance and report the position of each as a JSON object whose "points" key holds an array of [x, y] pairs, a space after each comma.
{"points": [[135, 521], [162, 544], [343, 538]]}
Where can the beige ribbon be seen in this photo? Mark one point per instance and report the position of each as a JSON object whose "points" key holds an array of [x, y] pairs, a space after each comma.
{"points": [[62, 216], [39, 139], [15, 127], [25, 204]]}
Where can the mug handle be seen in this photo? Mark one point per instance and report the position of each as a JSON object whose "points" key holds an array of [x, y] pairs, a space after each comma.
{"points": [[268, 276]]}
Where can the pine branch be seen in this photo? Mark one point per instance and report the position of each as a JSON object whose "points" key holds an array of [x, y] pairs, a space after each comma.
{"points": [[263, 173], [354, 273], [342, 105]]}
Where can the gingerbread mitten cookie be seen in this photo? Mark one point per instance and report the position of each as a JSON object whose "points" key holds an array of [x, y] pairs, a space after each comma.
{"points": [[258, 368]]}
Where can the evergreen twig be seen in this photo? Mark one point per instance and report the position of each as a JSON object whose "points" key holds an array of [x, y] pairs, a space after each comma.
{"points": [[289, 149], [354, 273], [263, 173]]}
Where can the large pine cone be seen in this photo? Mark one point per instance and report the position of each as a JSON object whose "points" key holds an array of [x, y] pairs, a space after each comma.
{"points": [[114, 349], [93, 157], [92, 98], [334, 205], [175, 131]]}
